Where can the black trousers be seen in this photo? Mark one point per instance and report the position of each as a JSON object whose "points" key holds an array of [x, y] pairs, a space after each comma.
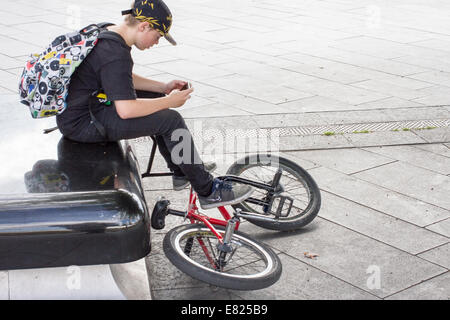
{"points": [[165, 125]]}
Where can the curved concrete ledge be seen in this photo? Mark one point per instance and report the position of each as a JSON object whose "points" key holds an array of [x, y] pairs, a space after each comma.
{"points": [[96, 282]]}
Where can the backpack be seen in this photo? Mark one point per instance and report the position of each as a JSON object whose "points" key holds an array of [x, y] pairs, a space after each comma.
{"points": [[45, 79]]}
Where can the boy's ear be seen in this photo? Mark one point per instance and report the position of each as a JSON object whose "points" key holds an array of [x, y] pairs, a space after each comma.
{"points": [[143, 25]]}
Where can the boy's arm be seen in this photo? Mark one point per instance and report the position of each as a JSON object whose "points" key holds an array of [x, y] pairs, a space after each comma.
{"points": [[128, 109], [141, 83]]}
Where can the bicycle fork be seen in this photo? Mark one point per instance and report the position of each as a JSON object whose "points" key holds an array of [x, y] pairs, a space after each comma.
{"points": [[225, 248]]}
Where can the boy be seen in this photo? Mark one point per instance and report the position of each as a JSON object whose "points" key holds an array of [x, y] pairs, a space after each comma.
{"points": [[139, 106]]}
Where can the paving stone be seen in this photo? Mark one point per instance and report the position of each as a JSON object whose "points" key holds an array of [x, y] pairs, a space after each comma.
{"points": [[8, 63], [389, 89], [437, 288], [379, 226], [317, 104], [385, 200], [350, 256], [436, 95], [203, 293], [313, 142], [442, 227], [416, 157], [437, 44], [327, 73], [390, 103], [272, 75], [364, 61], [16, 48], [439, 149], [434, 135], [4, 285], [194, 71], [416, 60], [344, 160], [288, 120], [382, 138], [258, 89], [338, 91], [212, 110], [9, 81], [300, 281], [415, 182], [436, 77], [391, 33], [372, 46], [439, 255]]}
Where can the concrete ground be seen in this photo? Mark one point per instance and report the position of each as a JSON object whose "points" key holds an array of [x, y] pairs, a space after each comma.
{"points": [[356, 92]]}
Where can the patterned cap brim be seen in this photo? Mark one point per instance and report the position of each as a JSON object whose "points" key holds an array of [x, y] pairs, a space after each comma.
{"points": [[170, 39]]}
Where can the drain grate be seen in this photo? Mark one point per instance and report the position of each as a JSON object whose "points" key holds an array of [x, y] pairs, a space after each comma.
{"points": [[362, 127]]}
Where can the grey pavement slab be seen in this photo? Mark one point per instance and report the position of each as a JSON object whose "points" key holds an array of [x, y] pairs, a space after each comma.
{"points": [[442, 227], [434, 135], [344, 160], [379, 198], [300, 281], [439, 255], [383, 138], [436, 95], [435, 77], [258, 89], [437, 288], [316, 104], [4, 285], [439, 149], [390, 89], [193, 70], [415, 182], [379, 226], [416, 157], [312, 142], [350, 256]]}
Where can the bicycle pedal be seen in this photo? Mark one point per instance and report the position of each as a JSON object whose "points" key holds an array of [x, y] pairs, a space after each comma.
{"points": [[284, 202], [160, 211]]}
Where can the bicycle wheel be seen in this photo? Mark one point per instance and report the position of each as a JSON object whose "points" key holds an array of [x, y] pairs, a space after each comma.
{"points": [[295, 181], [250, 265]]}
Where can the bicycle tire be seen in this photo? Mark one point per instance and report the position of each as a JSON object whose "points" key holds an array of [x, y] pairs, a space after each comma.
{"points": [[290, 223], [174, 251]]}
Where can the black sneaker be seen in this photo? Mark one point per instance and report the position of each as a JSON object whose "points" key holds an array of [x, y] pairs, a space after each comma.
{"points": [[225, 193], [179, 183]]}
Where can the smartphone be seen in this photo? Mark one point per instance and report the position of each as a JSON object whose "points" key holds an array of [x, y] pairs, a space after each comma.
{"points": [[186, 86]]}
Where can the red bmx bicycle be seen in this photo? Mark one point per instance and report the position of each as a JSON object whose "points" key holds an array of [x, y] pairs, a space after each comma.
{"points": [[213, 250]]}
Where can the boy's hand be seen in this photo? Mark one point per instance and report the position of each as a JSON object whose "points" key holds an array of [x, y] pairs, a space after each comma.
{"points": [[178, 98], [174, 85]]}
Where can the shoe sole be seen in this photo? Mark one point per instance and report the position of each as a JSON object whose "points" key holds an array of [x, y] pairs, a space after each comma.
{"points": [[227, 203], [179, 188]]}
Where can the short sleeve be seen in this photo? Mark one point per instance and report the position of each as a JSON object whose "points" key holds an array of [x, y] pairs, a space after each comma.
{"points": [[117, 80]]}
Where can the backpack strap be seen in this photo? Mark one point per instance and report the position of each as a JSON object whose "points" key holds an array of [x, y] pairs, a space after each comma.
{"points": [[100, 128], [103, 25]]}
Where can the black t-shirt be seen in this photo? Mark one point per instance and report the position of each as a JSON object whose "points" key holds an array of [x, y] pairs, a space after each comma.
{"points": [[108, 67]]}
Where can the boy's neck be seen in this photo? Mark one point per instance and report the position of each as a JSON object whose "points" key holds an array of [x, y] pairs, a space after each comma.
{"points": [[125, 32]]}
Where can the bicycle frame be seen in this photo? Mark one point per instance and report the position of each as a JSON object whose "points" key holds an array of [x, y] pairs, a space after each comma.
{"points": [[193, 215]]}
